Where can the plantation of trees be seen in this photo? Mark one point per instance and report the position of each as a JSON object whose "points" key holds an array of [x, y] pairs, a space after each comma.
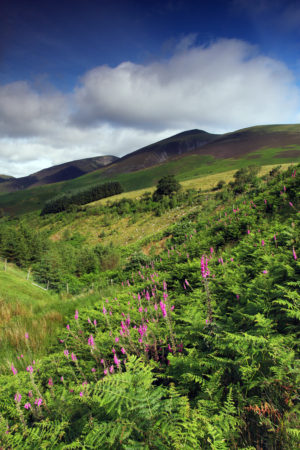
{"points": [[193, 347], [82, 197]]}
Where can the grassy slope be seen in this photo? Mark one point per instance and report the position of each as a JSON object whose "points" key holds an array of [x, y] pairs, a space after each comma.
{"points": [[27, 308], [189, 167], [123, 231]]}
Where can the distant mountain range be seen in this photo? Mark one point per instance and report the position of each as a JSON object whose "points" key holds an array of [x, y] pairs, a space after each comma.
{"points": [[54, 174], [238, 144]]}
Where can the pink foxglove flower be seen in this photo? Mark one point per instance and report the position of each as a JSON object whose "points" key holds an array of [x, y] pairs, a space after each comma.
{"points": [[27, 406], [91, 341], [18, 397], [66, 353], [93, 369], [13, 369], [104, 310], [73, 356], [76, 315], [29, 369], [50, 382], [294, 254], [123, 350], [26, 335], [38, 401], [116, 361]]}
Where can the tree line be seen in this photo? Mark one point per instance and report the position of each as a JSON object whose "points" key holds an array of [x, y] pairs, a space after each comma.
{"points": [[82, 197]]}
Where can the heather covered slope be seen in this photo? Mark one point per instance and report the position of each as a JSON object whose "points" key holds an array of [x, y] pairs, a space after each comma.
{"points": [[196, 343], [161, 151]]}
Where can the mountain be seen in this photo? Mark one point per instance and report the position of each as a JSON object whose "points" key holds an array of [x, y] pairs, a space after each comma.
{"points": [[4, 178], [188, 155], [61, 172], [162, 151], [254, 139]]}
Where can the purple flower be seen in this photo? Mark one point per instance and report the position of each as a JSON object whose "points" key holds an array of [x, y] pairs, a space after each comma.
{"points": [[38, 401], [91, 341], [18, 397], [294, 254]]}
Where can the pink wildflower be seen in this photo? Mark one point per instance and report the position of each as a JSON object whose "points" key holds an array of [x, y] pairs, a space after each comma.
{"points": [[66, 353], [29, 369], [73, 356], [104, 310], [264, 271], [50, 382], [13, 369], [27, 406], [116, 361], [163, 308], [117, 339], [91, 341], [123, 350], [68, 327], [294, 254], [111, 369], [18, 397], [76, 315], [262, 243], [93, 369], [105, 371], [26, 335], [38, 401]]}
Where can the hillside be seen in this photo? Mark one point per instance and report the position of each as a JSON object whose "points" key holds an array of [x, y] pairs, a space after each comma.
{"points": [[161, 151], [61, 172], [4, 178], [262, 145], [191, 334], [254, 140]]}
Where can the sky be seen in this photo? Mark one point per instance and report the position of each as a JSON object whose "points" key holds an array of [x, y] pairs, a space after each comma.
{"points": [[83, 78]]}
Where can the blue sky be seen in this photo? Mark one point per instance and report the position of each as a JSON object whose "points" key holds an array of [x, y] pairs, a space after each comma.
{"points": [[81, 78]]}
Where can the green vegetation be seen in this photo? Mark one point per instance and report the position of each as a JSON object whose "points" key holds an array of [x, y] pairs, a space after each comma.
{"points": [[190, 339], [187, 168], [81, 197]]}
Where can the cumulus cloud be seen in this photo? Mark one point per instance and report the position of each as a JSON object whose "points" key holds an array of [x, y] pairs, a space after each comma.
{"points": [[224, 85], [219, 87]]}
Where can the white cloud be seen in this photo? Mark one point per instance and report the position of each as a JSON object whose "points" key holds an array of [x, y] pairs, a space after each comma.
{"points": [[220, 87], [224, 85]]}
